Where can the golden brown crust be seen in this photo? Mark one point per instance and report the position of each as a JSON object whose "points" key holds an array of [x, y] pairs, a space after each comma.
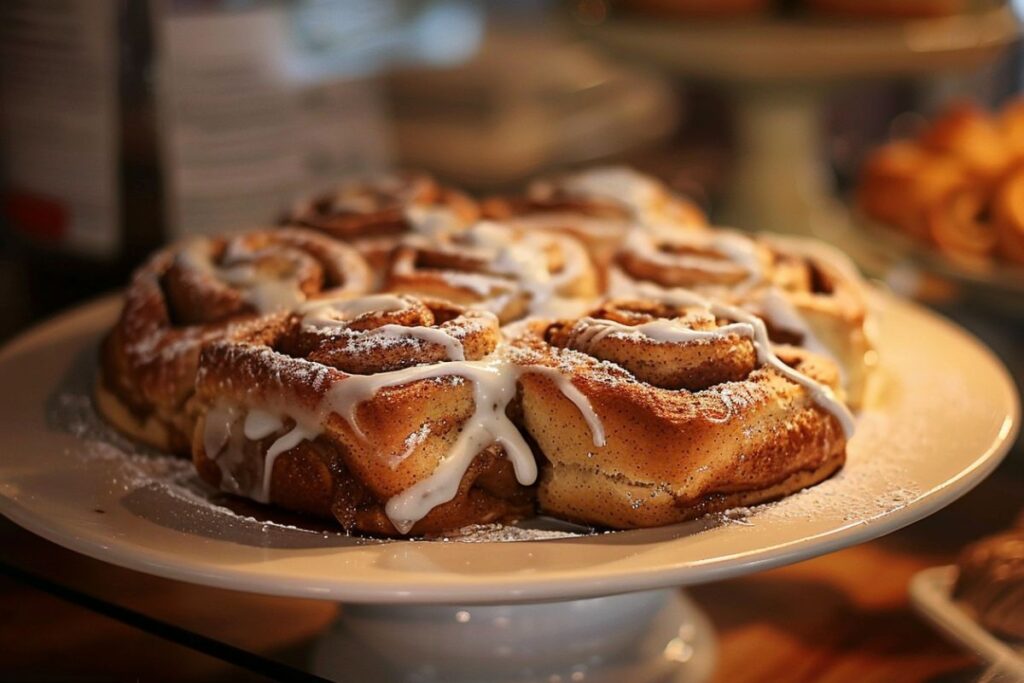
{"points": [[340, 470], [682, 449], [179, 301]]}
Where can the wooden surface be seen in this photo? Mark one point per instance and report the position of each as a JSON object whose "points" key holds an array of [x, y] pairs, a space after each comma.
{"points": [[842, 617]]}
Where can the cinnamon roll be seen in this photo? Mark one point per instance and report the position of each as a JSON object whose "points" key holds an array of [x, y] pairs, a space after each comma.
{"points": [[189, 295], [808, 297], [595, 206], [371, 212], [678, 407], [507, 271], [387, 413]]}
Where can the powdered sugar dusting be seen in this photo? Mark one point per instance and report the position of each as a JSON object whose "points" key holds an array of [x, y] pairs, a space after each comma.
{"points": [[852, 494], [170, 492]]}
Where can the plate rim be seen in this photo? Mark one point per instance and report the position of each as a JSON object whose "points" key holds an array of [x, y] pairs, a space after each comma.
{"points": [[549, 585]]}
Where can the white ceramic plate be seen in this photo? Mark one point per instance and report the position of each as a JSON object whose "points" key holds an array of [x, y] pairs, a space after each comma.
{"points": [[931, 594], [944, 415]]}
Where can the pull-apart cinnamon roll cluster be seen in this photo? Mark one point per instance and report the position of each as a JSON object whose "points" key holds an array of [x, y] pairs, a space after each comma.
{"points": [[407, 362]]}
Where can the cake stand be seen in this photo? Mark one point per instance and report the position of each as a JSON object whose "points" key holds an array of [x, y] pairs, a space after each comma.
{"points": [[779, 74], [553, 605]]}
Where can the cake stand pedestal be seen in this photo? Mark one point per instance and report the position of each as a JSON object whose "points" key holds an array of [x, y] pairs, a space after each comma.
{"points": [[779, 74], [650, 637]]}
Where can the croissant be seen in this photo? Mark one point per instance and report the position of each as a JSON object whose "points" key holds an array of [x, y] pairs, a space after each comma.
{"points": [[681, 407], [188, 296], [387, 413]]}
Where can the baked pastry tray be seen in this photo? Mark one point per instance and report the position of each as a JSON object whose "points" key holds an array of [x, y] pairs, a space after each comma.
{"points": [[942, 414], [931, 593]]}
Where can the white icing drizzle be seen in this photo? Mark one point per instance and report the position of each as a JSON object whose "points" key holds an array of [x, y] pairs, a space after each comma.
{"points": [[751, 326], [775, 307], [593, 330], [219, 442], [618, 183], [410, 444], [264, 293], [285, 442], [514, 262], [433, 221], [765, 299], [338, 312], [259, 424], [269, 295], [578, 398], [520, 257], [494, 386]]}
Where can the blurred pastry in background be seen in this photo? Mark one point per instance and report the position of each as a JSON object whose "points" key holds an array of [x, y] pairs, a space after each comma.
{"points": [[990, 583], [958, 187], [973, 136]]}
